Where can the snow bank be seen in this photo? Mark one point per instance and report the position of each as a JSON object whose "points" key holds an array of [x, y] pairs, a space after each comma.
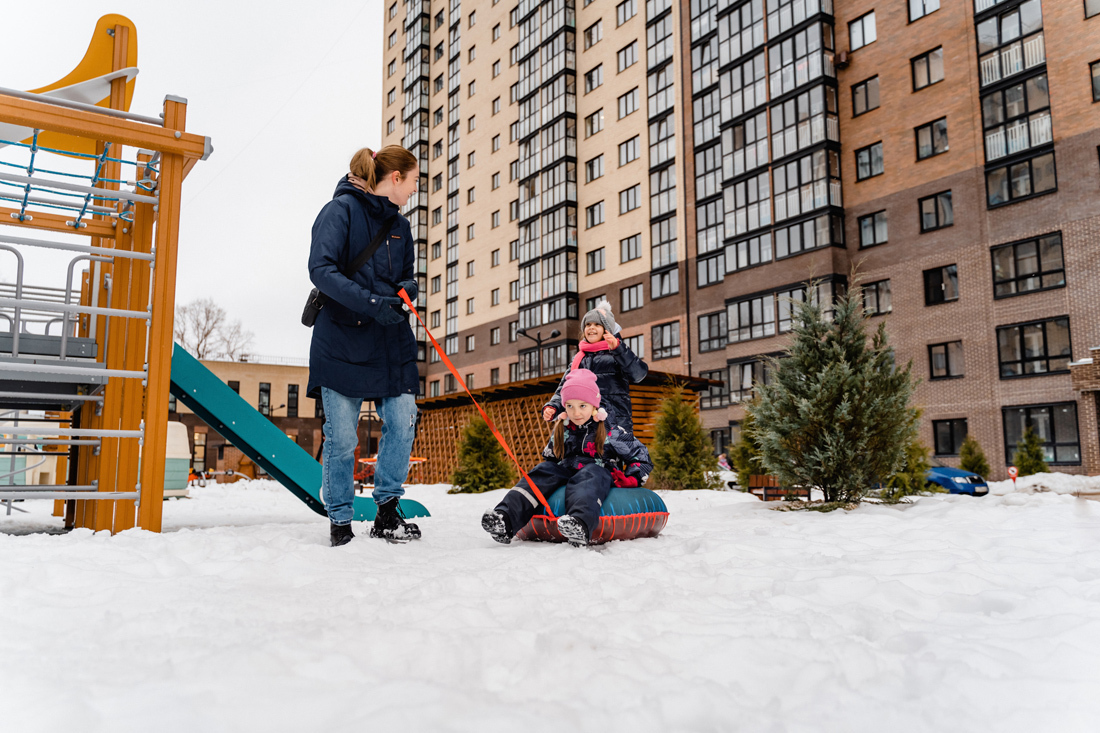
{"points": [[949, 614]]}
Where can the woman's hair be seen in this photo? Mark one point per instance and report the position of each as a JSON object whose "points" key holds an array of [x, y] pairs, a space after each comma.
{"points": [[372, 167], [558, 438]]}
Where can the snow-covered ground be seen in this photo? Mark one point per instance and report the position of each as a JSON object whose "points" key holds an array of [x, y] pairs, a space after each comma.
{"points": [[950, 614]]}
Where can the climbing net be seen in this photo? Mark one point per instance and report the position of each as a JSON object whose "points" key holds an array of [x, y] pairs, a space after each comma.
{"points": [[74, 193]]}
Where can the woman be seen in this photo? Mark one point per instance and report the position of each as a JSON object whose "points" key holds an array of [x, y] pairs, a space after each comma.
{"points": [[363, 346]]}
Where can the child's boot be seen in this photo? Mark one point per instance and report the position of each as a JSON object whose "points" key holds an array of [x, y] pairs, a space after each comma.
{"points": [[573, 530], [496, 524]]}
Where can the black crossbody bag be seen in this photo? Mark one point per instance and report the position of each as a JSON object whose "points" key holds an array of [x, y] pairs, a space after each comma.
{"points": [[316, 300]]}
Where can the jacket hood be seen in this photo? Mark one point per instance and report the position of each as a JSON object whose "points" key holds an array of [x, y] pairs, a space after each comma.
{"points": [[374, 204]]}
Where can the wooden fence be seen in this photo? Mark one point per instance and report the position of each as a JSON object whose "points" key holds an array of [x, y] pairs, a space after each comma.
{"points": [[516, 409]]}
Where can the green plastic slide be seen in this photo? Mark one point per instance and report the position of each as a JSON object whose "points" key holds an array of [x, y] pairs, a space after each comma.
{"points": [[257, 437]]}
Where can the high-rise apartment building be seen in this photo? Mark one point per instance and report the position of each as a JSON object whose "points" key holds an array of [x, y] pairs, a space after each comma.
{"points": [[697, 163]]}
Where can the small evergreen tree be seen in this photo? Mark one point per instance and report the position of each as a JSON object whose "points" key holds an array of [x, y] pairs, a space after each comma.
{"points": [[682, 455], [1029, 454], [836, 414], [482, 465], [972, 458], [744, 455], [911, 477]]}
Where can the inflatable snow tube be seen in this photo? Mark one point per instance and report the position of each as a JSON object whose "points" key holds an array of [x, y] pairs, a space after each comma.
{"points": [[626, 515]]}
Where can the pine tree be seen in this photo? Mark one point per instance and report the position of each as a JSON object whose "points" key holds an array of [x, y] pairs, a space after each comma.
{"points": [[744, 455], [682, 454], [972, 458], [1029, 454], [911, 476], [836, 414], [482, 465]]}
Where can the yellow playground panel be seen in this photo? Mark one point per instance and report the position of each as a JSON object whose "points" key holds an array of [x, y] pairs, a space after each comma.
{"points": [[85, 369]]}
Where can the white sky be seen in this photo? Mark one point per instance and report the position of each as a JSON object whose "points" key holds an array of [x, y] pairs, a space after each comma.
{"points": [[286, 90]]}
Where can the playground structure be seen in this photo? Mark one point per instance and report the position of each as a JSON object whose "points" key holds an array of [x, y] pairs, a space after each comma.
{"points": [[86, 366]]}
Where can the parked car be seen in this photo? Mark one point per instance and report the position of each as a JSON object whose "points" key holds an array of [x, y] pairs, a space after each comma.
{"points": [[957, 481]]}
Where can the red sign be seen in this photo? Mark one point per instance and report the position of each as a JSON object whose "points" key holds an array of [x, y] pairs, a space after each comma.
{"points": [[1012, 472]]}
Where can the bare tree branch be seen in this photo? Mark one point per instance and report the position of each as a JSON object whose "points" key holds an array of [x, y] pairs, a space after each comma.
{"points": [[202, 328]]}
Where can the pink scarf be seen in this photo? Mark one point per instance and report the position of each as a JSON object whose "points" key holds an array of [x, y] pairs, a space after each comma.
{"points": [[587, 348]]}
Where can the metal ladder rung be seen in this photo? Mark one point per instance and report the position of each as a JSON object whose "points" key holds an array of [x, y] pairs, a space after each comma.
{"points": [[101, 495]]}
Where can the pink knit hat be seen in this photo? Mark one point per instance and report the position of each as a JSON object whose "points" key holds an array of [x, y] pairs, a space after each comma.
{"points": [[580, 384]]}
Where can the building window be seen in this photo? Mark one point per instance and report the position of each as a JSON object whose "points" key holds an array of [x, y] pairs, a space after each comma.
{"points": [[662, 191], [496, 107], [449, 384], [1011, 183], [630, 248], [873, 229], [927, 69], [435, 319], [470, 268], [472, 53], [392, 40], [945, 361], [391, 125], [471, 124], [593, 123], [470, 343], [264, 404], [624, 11], [920, 8], [1027, 349], [628, 103], [949, 436], [1092, 7], [437, 182], [628, 56], [636, 344], [595, 261], [495, 219], [663, 284], [1056, 426], [594, 215], [496, 32], [234, 385], [1094, 67], [932, 139], [593, 34], [437, 149], [1017, 118], [513, 291], [469, 306], [666, 340], [877, 300], [1025, 267], [865, 96], [319, 408], [593, 169], [941, 285], [199, 457], [869, 162], [292, 400], [494, 376], [752, 318], [630, 298], [746, 376], [393, 11], [436, 284], [630, 198], [392, 96], [593, 79], [861, 31], [710, 270], [628, 151], [748, 252], [713, 331], [470, 232], [392, 68], [715, 396], [494, 335], [936, 212]]}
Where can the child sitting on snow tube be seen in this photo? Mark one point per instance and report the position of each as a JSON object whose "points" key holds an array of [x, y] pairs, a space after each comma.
{"points": [[585, 454]]}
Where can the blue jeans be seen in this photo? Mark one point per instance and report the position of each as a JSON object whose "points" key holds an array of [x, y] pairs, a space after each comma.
{"points": [[341, 438]]}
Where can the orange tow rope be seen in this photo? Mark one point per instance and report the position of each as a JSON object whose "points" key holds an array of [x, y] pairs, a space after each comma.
{"points": [[488, 420]]}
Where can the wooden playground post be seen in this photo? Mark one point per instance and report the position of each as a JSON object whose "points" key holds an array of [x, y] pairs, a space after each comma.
{"points": [[161, 330]]}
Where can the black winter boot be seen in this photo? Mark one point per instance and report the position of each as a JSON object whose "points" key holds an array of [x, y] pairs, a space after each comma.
{"points": [[340, 534], [390, 524], [573, 530], [496, 524]]}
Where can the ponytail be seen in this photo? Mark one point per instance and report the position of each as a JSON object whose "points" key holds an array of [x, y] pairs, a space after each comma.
{"points": [[373, 166], [558, 438]]}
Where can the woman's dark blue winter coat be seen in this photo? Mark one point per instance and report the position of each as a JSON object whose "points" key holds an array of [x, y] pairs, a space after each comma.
{"points": [[615, 369], [351, 353]]}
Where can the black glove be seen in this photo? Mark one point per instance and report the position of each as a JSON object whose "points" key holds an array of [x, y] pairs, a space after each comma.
{"points": [[386, 310], [410, 287]]}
